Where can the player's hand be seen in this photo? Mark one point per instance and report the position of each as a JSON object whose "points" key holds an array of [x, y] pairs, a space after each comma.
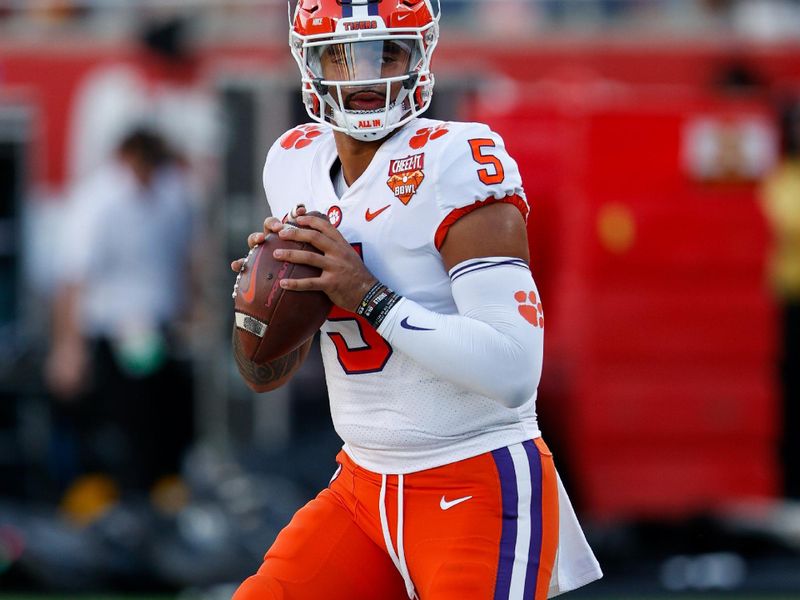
{"points": [[271, 225], [345, 278]]}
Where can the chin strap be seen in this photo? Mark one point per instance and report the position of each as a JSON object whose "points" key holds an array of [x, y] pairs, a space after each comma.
{"points": [[392, 116], [370, 136]]}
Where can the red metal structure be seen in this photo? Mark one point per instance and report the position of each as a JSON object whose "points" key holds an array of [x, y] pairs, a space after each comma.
{"points": [[660, 344]]}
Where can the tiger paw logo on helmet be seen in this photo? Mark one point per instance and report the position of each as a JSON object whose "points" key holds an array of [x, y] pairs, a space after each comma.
{"points": [[427, 134], [301, 137]]}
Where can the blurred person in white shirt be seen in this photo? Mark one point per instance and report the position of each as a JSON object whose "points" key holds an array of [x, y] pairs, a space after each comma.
{"points": [[122, 403]]}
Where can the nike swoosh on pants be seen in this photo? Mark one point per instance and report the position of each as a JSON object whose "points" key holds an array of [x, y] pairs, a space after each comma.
{"points": [[446, 505]]}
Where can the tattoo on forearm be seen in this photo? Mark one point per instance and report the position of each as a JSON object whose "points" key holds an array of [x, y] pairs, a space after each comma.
{"points": [[267, 373]]}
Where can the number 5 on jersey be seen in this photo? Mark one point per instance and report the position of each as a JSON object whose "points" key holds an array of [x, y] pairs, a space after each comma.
{"points": [[368, 357], [494, 173]]}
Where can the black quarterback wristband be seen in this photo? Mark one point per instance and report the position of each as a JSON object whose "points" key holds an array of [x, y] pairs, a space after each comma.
{"points": [[373, 292], [379, 309], [377, 303]]}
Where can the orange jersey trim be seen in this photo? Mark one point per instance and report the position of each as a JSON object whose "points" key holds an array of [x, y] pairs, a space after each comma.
{"points": [[456, 214]]}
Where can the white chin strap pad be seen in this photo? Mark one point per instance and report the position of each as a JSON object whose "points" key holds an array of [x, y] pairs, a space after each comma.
{"points": [[349, 120], [369, 136]]}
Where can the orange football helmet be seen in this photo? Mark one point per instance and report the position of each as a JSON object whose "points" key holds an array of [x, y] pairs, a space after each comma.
{"points": [[365, 64]]}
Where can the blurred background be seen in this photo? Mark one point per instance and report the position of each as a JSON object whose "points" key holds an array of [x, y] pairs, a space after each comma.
{"points": [[659, 142]]}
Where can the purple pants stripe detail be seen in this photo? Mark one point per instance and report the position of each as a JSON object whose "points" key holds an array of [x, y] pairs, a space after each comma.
{"points": [[535, 550], [508, 537]]}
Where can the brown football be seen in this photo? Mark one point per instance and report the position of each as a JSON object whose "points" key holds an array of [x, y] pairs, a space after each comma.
{"points": [[271, 321]]}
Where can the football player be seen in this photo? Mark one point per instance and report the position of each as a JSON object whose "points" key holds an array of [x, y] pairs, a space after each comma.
{"points": [[444, 487]]}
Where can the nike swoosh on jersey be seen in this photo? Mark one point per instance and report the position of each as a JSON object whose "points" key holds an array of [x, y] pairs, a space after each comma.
{"points": [[369, 216], [445, 505], [406, 325]]}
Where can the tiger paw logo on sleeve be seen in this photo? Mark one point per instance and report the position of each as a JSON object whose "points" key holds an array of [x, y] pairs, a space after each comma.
{"points": [[530, 308], [406, 175], [300, 137], [427, 134]]}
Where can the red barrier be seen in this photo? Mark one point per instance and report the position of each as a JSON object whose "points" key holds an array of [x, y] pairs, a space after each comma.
{"points": [[649, 248]]}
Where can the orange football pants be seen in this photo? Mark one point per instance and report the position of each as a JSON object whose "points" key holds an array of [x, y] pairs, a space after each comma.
{"points": [[485, 528]]}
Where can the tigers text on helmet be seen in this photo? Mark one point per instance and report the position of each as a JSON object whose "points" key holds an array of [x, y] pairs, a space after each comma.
{"points": [[365, 64]]}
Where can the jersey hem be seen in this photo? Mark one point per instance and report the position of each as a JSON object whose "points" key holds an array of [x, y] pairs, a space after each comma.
{"points": [[470, 451], [578, 582]]}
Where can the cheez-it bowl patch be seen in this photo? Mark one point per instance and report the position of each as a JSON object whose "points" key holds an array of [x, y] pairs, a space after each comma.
{"points": [[406, 175]]}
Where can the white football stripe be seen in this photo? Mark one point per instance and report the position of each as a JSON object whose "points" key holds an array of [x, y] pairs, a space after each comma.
{"points": [[523, 472], [251, 324]]}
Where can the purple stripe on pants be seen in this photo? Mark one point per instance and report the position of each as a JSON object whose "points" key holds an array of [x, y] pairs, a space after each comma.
{"points": [[535, 549], [508, 537]]}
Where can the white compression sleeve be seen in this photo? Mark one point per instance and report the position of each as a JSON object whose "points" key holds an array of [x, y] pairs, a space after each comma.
{"points": [[493, 346]]}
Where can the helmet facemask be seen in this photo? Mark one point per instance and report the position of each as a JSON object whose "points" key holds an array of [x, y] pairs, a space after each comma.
{"points": [[366, 83]]}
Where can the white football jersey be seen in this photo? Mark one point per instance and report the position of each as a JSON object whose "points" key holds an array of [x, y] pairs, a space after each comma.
{"points": [[393, 414]]}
